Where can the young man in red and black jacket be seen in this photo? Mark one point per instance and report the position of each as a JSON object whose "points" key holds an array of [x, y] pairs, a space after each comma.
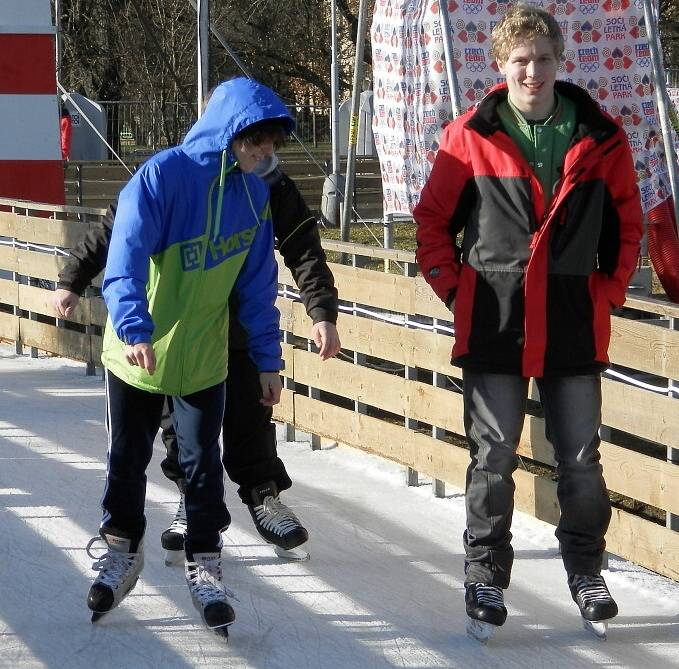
{"points": [[540, 181], [249, 454]]}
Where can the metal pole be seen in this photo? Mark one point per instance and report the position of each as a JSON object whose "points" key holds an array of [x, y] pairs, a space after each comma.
{"points": [[663, 105], [388, 224], [57, 41], [334, 91], [334, 112], [353, 121], [203, 18], [455, 100]]}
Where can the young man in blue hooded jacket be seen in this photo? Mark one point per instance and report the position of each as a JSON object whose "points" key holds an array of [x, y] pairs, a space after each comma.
{"points": [[193, 225]]}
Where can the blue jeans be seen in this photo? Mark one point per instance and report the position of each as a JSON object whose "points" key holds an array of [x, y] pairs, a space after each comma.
{"points": [[133, 420], [494, 411]]}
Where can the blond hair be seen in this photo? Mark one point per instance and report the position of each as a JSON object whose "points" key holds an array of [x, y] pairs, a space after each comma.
{"points": [[524, 22]]}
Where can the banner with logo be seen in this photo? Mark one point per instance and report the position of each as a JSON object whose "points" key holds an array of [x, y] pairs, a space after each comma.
{"points": [[607, 53]]}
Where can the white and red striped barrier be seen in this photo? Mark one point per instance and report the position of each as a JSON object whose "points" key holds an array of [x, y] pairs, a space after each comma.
{"points": [[30, 154]]}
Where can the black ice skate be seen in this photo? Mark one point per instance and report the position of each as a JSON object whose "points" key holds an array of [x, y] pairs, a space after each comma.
{"points": [[118, 568], [277, 524], [594, 601], [209, 595], [485, 608], [172, 539]]}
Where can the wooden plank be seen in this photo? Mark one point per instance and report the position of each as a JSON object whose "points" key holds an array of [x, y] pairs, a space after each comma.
{"points": [[9, 292], [97, 342], [39, 265], [645, 346], [39, 301], [643, 542], [380, 290], [377, 289], [368, 251], [7, 224], [9, 327], [631, 537], [98, 311], [8, 258], [289, 360], [49, 232], [415, 348], [653, 306], [640, 412], [284, 410], [27, 205], [639, 476], [409, 399], [49, 338]]}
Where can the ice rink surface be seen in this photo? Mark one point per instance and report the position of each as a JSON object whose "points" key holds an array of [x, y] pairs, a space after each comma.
{"points": [[383, 587]]}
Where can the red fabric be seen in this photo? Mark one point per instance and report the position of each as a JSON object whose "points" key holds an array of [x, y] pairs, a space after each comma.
{"points": [[464, 303], [464, 154], [27, 64], [66, 130], [602, 314]]}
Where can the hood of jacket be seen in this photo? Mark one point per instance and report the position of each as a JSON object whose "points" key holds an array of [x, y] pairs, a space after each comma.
{"points": [[233, 106]]}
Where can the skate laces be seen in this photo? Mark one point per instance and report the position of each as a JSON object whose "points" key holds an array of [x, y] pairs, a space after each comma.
{"points": [[179, 523], [591, 589], [112, 565], [274, 516], [206, 583], [489, 595]]}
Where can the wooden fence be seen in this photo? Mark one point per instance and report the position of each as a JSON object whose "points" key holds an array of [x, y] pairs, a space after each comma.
{"points": [[393, 391], [96, 184]]}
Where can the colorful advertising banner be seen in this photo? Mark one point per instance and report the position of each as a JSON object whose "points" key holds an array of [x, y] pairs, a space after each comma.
{"points": [[607, 53]]}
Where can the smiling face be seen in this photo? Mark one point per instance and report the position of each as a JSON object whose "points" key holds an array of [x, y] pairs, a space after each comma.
{"points": [[530, 69], [249, 154]]}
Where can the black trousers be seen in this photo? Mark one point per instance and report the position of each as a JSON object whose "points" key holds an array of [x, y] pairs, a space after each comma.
{"points": [[133, 417], [494, 410], [249, 437]]}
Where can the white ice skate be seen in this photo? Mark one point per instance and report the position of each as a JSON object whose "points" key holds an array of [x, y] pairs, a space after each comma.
{"points": [[172, 539], [118, 569], [210, 596]]}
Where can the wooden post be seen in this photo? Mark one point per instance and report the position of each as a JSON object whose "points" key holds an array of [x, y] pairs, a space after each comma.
{"points": [[288, 383], [412, 476], [672, 519], [438, 486]]}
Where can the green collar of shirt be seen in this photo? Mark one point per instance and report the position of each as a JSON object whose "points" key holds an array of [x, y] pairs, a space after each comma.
{"points": [[542, 143]]}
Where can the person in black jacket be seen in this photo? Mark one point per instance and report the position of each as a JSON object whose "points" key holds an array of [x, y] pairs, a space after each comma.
{"points": [[249, 454]]}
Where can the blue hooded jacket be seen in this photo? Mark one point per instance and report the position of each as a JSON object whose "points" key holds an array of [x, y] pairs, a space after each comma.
{"points": [[190, 228]]}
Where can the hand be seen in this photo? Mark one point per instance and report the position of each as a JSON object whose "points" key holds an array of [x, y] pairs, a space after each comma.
{"points": [[272, 387], [326, 339], [65, 302], [141, 355]]}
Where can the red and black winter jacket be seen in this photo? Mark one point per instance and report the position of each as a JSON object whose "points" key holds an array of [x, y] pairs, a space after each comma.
{"points": [[532, 286]]}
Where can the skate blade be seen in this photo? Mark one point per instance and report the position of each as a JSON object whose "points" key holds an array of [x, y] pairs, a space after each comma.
{"points": [[597, 628], [297, 554], [98, 615], [480, 631], [222, 631], [174, 558]]}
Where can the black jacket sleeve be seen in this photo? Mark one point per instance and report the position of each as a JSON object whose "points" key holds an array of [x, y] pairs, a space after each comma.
{"points": [[88, 257], [299, 243]]}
